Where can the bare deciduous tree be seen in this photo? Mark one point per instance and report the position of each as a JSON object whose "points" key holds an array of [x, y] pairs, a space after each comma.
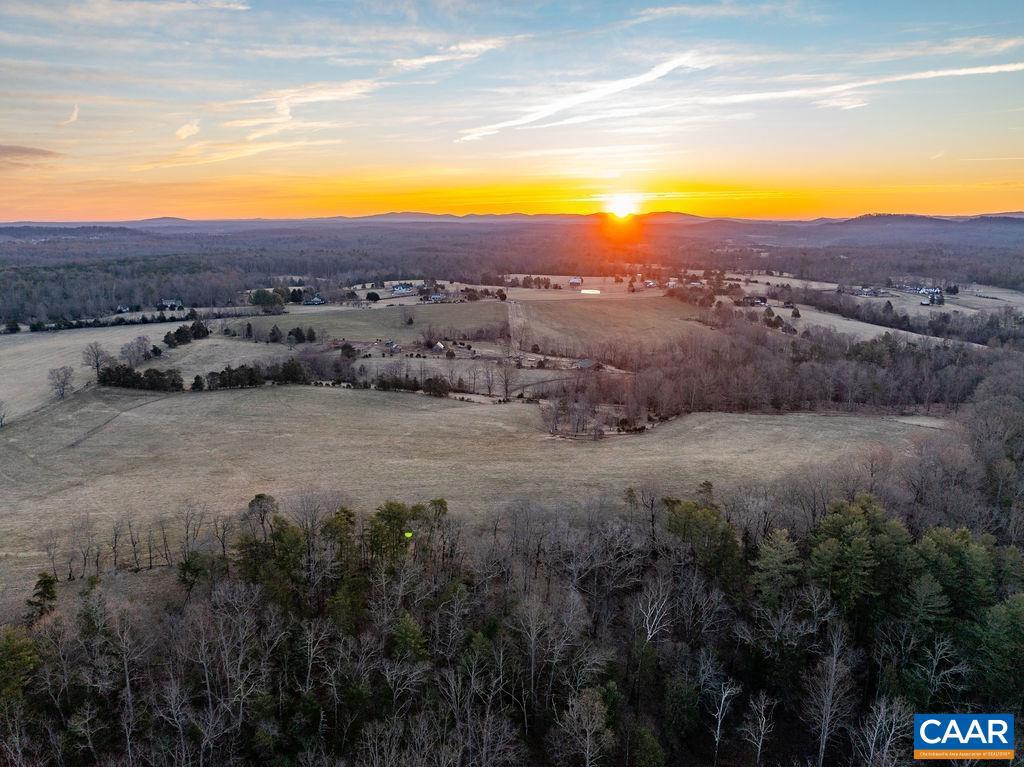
{"points": [[581, 735], [508, 376], [487, 375], [654, 608], [829, 686], [96, 357], [759, 723], [61, 380], [4, 412], [880, 741], [718, 690], [136, 352]]}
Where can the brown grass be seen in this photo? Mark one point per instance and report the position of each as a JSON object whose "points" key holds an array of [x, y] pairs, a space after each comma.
{"points": [[105, 453], [387, 322], [598, 320]]}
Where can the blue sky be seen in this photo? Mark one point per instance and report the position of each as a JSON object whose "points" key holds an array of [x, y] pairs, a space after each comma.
{"points": [[117, 108]]}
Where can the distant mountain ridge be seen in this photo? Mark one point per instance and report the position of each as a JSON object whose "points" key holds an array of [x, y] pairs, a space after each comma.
{"points": [[989, 229]]}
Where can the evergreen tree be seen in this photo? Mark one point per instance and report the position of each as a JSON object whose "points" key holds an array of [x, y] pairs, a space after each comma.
{"points": [[407, 638], [44, 596], [777, 567]]}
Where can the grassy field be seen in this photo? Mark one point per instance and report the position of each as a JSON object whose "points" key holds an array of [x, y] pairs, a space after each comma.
{"points": [[387, 322], [26, 358], [599, 320], [106, 452]]}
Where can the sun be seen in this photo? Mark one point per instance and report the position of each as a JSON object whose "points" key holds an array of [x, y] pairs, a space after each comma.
{"points": [[621, 205]]}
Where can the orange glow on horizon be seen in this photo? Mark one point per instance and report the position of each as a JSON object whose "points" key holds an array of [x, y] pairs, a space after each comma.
{"points": [[621, 205], [298, 196]]}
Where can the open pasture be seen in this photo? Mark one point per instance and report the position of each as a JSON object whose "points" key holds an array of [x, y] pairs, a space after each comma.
{"points": [[384, 322], [596, 320], [106, 453], [26, 358]]}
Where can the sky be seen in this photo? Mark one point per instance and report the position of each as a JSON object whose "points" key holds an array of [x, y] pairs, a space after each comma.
{"points": [[126, 109]]}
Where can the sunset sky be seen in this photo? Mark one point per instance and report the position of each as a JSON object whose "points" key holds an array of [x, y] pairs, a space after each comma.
{"points": [[123, 109]]}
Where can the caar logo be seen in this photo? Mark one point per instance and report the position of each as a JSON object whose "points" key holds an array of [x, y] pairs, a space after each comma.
{"points": [[963, 736]]}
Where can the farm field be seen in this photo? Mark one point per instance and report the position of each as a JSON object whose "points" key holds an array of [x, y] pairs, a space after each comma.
{"points": [[385, 322], [599, 320], [106, 452]]}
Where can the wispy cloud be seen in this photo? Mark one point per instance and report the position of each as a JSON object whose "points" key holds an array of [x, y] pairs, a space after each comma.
{"points": [[14, 156], [114, 12], [459, 52], [826, 92], [73, 117], [205, 152], [284, 99], [597, 93], [845, 95], [961, 46], [722, 10], [188, 130]]}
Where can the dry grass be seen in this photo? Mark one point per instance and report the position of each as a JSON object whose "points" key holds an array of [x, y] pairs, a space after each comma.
{"points": [[106, 452], [387, 322], [607, 285], [26, 358], [598, 320]]}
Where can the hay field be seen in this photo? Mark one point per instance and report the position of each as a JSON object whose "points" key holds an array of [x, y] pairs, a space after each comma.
{"points": [[107, 452], [386, 322], [599, 320]]}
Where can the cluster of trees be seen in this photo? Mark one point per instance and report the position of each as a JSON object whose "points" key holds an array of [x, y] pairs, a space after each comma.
{"points": [[110, 372], [652, 632], [127, 377], [299, 336], [529, 281], [276, 336], [270, 301], [186, 334], [1003, 327], [435, 386], [744, 366], [290, 371]]}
